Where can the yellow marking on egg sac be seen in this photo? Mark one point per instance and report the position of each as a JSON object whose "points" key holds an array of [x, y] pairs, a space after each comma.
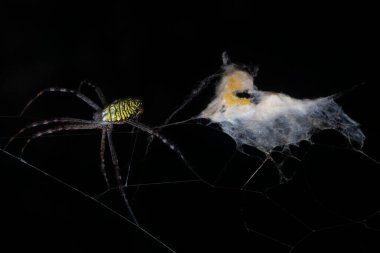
{"points": [[234, 84]]}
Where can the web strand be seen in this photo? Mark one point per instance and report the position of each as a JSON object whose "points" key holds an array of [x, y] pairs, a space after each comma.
{"points": [[63, 183]]}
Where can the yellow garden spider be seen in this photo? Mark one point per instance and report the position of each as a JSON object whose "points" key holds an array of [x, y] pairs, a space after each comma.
{"points": [[120, 112]]}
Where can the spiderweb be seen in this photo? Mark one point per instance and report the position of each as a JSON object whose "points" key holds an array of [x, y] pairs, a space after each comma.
{"points": [[330, 201]]}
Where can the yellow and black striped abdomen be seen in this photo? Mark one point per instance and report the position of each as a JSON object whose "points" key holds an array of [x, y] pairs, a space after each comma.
{"points": [[122, 109]]}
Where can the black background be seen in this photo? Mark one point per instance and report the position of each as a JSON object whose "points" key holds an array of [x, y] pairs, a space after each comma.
{"points": [[160, 52]]}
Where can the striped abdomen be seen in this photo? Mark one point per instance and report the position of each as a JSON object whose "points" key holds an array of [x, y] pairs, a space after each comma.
{"points": [[122, 109]]}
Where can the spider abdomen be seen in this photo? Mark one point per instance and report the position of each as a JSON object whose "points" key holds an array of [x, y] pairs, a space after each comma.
{"points": [[122, 109]]}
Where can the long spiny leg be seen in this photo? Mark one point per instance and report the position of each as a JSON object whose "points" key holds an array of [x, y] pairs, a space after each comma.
{"points": [[102, 159], [192, 95], [98, 91], [118, 174], [187, 100], [167, 142], [62, 90], [47, 122], [133, 147], [76, 126]]}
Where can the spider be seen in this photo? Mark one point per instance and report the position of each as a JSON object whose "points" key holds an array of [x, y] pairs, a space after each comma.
{"points": [[123, 111]]}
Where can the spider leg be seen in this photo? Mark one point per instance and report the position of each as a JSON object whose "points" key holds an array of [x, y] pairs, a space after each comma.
{"points": [[167, 142], [117, 173], [62, 90], [133, 146], [102, 159], [98, 91], [47, 122], [65, 127]]}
